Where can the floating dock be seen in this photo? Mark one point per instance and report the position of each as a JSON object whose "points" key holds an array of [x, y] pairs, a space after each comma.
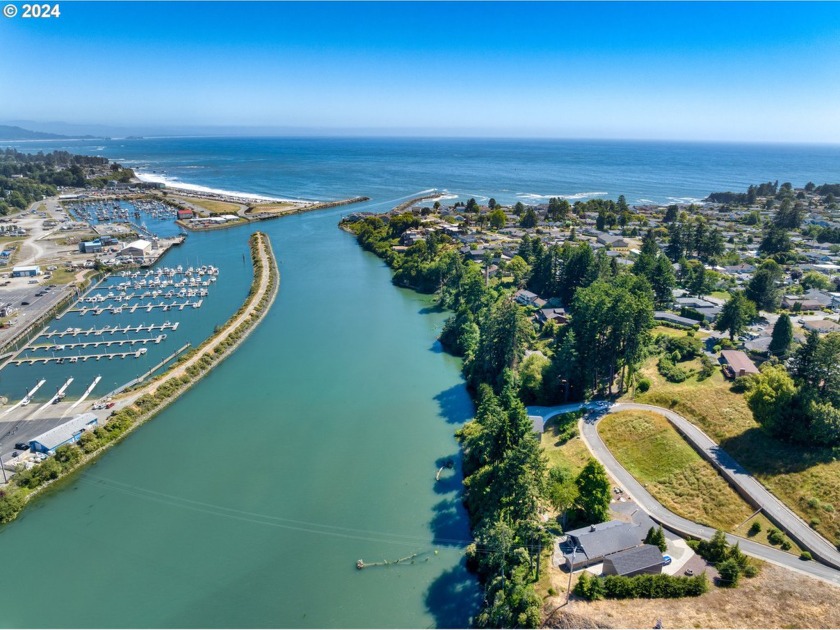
{"points": [[130, 308], [76, 358], [109, 330], [96, 344], [26, 399]]}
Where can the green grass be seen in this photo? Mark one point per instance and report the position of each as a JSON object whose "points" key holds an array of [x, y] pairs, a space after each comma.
{"points": [[723, 295], [562, 445], [210, 205], [743, 531], [807, 479], [652, 451]]}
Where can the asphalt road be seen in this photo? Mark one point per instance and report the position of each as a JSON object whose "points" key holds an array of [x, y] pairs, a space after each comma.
{"points": [[731, 470]]}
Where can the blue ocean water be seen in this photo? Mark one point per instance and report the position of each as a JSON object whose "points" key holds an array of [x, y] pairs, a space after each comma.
{"points": [[509, 170]]}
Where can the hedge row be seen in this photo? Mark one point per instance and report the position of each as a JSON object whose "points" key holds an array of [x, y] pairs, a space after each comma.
{"points": [[658, 586]]}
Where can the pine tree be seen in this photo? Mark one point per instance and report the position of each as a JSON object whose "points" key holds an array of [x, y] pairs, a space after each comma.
{"points": [[782, 336]]}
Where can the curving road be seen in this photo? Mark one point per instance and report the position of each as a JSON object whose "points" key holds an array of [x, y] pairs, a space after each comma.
{"points": [[731, 470]]}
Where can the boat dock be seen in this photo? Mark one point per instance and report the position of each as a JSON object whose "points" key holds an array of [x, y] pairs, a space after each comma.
{"points": [[80, 357], [26, 399], [110, 330], [116, 310], [96, 344]]}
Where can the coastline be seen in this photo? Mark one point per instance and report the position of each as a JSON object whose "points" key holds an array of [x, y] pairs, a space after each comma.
{"points": [[138, 406]]}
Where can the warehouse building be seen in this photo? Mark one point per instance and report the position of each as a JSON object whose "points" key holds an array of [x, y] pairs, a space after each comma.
{"points": [[136, 249], [26, 271], [90, 247], [66, 433]]}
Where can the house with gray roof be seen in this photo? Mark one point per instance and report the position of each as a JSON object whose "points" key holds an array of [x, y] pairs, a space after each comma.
{"points": [[589, 545], [636, 561]]}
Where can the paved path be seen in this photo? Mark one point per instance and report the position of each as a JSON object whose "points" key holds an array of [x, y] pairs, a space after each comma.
{"points": [[727, 466]]}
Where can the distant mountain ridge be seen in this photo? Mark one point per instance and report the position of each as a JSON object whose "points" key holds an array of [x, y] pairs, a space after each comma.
{"points": [[10, 132]]}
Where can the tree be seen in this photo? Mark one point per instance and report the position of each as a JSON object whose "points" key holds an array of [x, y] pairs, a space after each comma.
{"points": [[491, 203], [594, 488], [656, 536], [736, 314], [562, 491], [763, 288], [671, 213], [771, 400], [816, 280], [529, 219], [775, 241], [519, 269], [782, 336], [497, 219]]}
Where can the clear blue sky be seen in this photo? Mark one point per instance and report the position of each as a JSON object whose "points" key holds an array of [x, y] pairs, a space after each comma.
{"points": [[705, 71]]}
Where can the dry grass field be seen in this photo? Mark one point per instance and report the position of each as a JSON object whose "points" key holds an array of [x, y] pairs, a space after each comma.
{"points": [[776, 598]]}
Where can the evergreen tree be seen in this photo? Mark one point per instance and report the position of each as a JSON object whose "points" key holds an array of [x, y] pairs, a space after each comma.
{"points": [[736, 314], [656, 536], [782, 336], [594, 492]]}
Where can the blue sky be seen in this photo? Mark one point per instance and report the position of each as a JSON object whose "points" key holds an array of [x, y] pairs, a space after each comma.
{"points": [[698, 71]]}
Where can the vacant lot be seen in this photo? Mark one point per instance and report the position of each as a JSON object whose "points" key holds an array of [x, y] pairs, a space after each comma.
{"points": [[807, 479], [562, 444], [213, 206], [652, 451], [777, 598]]}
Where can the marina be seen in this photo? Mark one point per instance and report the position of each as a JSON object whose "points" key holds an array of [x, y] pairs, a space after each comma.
{"points": [[96, 344]]}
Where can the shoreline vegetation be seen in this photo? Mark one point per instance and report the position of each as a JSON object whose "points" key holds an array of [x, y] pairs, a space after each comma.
{"points": [[554, 304], [141, 403]]}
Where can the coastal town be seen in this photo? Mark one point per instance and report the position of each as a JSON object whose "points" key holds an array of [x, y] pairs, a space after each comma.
{"points": [[620, 349], [727, 303]]}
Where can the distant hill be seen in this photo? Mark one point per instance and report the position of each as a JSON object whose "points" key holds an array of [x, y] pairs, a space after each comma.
{"points": [[8, 132]]}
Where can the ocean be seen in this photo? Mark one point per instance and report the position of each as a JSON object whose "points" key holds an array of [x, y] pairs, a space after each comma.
{"points": [[531, 171]]}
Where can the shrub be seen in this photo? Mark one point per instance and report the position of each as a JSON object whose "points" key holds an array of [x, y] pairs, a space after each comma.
{"points": [[641, 586], [774, 536], [755, 528], [730, 573], [806, 555], [741, 384], [670, 371], [785, 546], [643, 386]]}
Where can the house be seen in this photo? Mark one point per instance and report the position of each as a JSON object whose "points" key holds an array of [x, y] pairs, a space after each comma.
{"points": [[822, 326], [526, 298], [26, 271], [811, 301], [589, 545], [558, 315], [66, 433], [645, 559], [736, 363], [671, 318], [185, 213]]}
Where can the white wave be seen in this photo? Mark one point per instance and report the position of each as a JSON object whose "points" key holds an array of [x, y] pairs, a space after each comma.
{"points": [[447, 196], [580, 195], [684, 200], [175, 183], [645, 201]]}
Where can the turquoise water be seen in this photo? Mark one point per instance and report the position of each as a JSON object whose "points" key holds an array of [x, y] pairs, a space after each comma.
{"points": [[248, 502]]}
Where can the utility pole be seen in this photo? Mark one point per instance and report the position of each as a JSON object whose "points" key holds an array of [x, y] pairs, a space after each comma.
{"points": [[5, 479]]}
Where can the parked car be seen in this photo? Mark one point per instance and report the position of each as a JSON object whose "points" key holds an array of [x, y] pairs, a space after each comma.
{"points": [[666, 560], [23, 446], [109, 405], [24, 303]]}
